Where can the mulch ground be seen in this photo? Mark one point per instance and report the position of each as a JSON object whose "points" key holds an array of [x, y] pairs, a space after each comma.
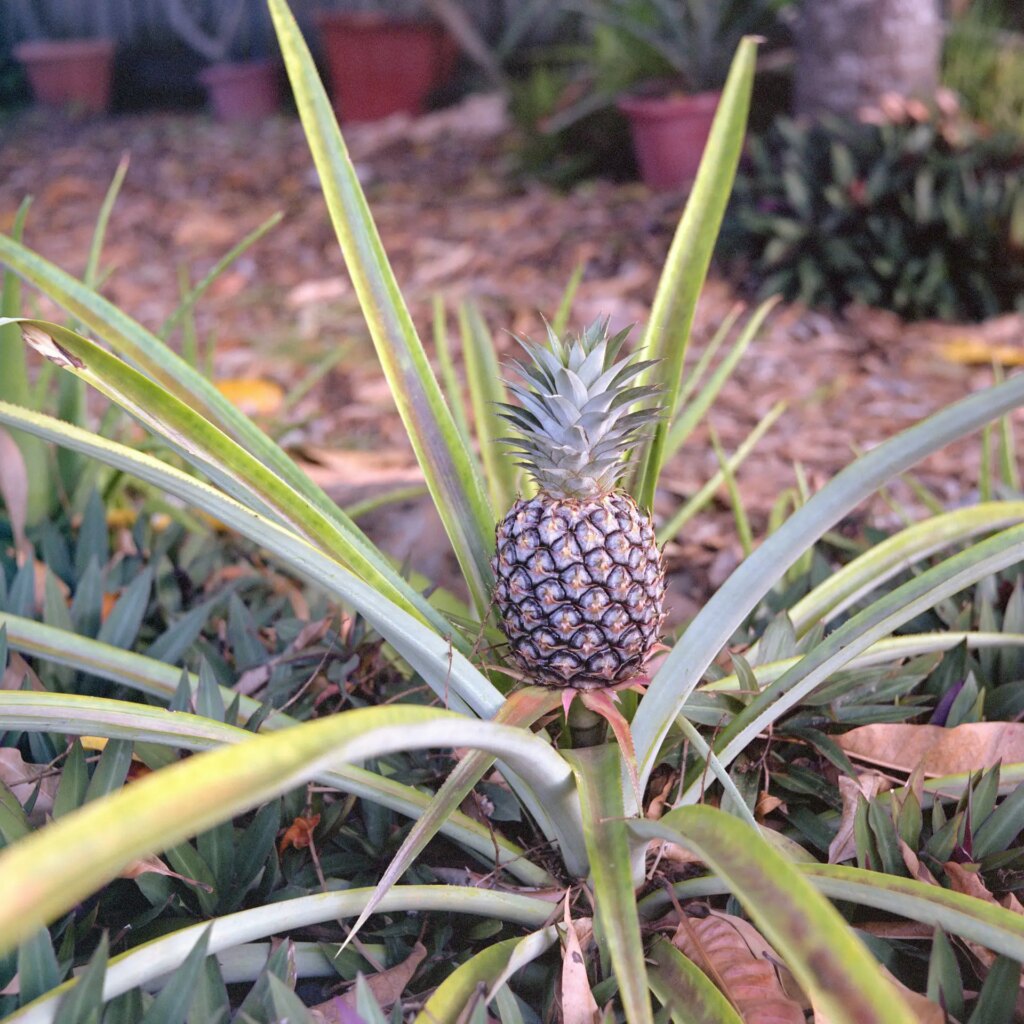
{"points": [[455, 222]]}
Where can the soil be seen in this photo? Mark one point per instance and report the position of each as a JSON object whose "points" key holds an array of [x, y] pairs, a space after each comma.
{"points": [[456, 222]]}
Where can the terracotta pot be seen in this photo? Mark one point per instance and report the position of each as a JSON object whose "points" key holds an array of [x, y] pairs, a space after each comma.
{"points": [[69, 72], [669, 134], [246, 91], [379, 66]]}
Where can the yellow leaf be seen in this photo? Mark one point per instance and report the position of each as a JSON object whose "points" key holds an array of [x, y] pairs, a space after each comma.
{"points": [[970, 350], [255, 396]]}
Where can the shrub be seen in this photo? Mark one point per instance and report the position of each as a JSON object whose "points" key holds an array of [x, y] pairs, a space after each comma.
{"points": [[922, 217]]}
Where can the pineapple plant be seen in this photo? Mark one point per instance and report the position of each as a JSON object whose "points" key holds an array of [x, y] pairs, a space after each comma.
{"points": [[580, 584]]}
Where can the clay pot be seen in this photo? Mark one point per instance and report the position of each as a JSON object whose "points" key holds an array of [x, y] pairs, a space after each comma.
{"points": [[669, 134], [246, 91], [379, 66], [69, 72]]}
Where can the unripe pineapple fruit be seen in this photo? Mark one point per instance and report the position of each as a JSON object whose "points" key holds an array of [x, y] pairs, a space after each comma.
{"points": [[580, 582]]}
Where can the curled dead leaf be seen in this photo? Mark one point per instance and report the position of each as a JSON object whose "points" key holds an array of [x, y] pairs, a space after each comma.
{"points": [[578, 1003], [867, 785], [299, 834], [155, 866], [739, 960]]}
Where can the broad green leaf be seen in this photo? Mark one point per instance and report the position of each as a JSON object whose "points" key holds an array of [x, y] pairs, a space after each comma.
{"points": [[243, 475], [597, 771], [286, 1004], [171, 1005], [685, 990], [450, 674], [96, 716], [38, 881], [37, 964], [668, 330], [450, 473], [159, 957], [83, 1003], [714, 625], [487, 969], [824, 955]]}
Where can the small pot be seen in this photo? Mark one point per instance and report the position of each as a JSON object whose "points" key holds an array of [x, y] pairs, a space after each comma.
{"points": [[669, 134], [244, 91], [379, 66], [69, 72]]}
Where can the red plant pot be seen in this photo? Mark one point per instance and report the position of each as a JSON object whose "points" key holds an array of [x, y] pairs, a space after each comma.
{"points": [[669, 134], [246, 91], [379, 66], [69, 72]]}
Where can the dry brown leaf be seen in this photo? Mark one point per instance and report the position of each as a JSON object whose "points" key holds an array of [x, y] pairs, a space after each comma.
{"points": [[155, 866], [868, 785], [766, 803], [255, 396], [914, 866], [578, 1003], [299, 833], [966, 878], [21, 778], [720, 945], [387, 986], [937, 751]]}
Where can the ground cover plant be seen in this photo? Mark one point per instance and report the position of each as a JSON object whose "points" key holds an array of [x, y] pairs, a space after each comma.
{"points": [[575, 869], [918, 212]]}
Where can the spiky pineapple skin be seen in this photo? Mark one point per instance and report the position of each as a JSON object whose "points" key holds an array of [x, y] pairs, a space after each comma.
{"points": [[580, 587]]}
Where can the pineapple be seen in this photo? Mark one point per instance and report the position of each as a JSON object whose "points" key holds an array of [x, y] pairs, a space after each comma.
{"points": [[580, 583]]}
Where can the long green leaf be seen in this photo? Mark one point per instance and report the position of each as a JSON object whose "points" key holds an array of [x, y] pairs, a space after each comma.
{"points": [[211, 451], [668, 330], [486, 391], [131, 340], [442, 666], [895, 554], [989, 924], [97, 716], [38, 881], [158, 957], [718, 620], [598, 772], [450, 473], [826, 957]]}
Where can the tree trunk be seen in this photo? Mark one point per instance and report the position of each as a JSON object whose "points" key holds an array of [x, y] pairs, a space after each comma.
{"points": [[851, 52]]}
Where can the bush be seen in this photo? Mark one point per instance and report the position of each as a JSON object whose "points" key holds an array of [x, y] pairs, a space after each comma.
{"points": [[921, 215]]}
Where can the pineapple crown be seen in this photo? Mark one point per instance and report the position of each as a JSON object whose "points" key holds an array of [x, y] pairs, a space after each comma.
{"points": [[576, 418]]}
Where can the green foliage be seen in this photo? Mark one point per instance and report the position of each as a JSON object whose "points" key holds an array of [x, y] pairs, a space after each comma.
{"points": [[289, 827], [984, 64], [923, 217]]}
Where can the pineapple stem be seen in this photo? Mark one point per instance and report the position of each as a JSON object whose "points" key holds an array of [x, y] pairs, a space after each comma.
{"points": [[586, 728]]}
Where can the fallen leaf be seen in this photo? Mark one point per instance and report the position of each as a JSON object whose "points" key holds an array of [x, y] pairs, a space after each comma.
{"points": [[255, 396], [867, 785], [721, 946], [387, 986], [967, 351], [578, 1003], [155, 866], [937, 751], [21, 778], [299, 833]]}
